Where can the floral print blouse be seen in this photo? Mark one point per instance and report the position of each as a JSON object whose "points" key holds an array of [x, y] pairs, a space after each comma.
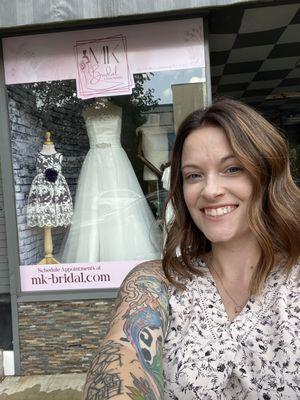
{"points": [[255, 356]]}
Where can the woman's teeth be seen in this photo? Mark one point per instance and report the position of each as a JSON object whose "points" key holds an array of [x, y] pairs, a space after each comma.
{"points": [[215, 212]]}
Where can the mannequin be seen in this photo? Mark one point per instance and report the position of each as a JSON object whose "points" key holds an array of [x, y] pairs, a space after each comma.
{"points": [[154, 139], [155, 171], [112, 219], [49, 200], [166, 185], [48, 148]]}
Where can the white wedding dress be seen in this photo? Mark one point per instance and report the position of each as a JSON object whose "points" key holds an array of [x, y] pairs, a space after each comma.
{"points": [[112, 219]]}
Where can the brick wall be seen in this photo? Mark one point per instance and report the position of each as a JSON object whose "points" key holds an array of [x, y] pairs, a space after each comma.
{"points": [[61, 337], [27, 136]]}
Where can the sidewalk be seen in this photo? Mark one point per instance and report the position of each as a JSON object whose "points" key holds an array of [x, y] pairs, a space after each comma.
{"points": [[42, 387]]}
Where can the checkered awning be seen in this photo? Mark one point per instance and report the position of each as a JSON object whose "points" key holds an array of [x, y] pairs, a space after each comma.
{"points": [[255, 55]]}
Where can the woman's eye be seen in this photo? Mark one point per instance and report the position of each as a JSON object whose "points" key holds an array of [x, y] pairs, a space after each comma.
{"points": [[193, 177], [234, 170]]}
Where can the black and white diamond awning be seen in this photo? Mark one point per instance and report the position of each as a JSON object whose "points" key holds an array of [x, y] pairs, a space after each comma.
{"points": [[255, 54]]}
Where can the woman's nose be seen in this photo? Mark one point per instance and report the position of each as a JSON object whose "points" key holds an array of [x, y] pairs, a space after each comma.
{"points": [[212, 187]]}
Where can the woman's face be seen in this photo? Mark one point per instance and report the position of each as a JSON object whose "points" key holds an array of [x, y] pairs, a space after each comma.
{"points": [[216, 188]]}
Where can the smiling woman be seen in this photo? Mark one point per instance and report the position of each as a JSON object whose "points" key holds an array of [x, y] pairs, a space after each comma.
{"points": [[235, 301], [229, 155], [217, 190], [220, 318]]}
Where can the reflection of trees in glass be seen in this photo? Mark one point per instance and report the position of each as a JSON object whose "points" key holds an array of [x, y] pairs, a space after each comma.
{"points": [[58, 108], [61, 96]]}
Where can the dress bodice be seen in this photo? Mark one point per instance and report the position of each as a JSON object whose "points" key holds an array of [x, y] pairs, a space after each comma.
{"points": [[46, 161], [103, 126]]}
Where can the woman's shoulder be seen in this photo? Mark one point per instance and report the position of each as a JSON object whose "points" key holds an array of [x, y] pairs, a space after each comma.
{"points": [[294, 277], [288, 286], [143, 294], [147, 268], [146, 275]]}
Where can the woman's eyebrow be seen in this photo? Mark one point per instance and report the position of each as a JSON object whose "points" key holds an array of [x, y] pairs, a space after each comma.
{"points": [[189, 166], [223, 159]]}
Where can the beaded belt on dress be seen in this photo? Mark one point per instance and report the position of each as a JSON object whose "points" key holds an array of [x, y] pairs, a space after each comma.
{"points": [[103, 145]]}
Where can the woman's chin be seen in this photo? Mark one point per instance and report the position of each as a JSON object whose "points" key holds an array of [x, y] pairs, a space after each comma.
{"points": [[220, 238]]}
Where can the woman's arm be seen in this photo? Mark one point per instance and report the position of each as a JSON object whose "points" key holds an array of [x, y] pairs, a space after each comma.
{"points": [[129, 364]]}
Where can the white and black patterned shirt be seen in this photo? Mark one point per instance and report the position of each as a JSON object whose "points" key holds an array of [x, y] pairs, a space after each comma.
{"points": [[255, 356]]}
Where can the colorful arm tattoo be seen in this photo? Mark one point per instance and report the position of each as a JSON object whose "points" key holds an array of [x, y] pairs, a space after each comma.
{"points": [[145, 328], [103, 380], [142, 315]]}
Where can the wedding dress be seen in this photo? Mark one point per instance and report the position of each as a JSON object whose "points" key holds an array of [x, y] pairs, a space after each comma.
{"points": [[112, 219]]}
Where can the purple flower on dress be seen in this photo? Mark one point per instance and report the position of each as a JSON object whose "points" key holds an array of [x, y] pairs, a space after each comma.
{"points": [[51, 174]]}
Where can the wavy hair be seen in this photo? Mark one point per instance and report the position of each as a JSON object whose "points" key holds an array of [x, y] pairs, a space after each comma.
{"points": [[274, 214]]}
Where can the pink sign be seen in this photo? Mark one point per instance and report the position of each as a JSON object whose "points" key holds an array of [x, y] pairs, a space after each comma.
{"points": [[104, 275], [157, 46], [103, 68]]}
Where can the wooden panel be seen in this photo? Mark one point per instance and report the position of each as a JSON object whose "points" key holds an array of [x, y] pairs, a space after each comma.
{"points": [[3, 275], [4, 287], [3, 252], [30, 12]]}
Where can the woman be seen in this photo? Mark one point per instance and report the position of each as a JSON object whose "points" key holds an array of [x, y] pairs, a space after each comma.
{"points": [[222, 320]]}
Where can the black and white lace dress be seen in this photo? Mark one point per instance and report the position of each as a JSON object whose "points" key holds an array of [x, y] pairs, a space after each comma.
{"points": [[49, 200], [256, 356]]}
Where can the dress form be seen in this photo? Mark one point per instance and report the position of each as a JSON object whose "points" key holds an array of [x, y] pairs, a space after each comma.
{"points": [[49, 201], [154, 145], [48, 148], [169, 213]]}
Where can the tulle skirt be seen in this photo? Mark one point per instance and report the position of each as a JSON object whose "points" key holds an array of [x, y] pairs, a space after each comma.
{"points": [[112, 219]]}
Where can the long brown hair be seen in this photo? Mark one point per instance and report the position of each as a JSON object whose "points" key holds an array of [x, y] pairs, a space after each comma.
{"points": [[274, 215]]}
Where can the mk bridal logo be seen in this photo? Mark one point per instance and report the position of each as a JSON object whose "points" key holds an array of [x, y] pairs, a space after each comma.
{"points": [[102, 67]]}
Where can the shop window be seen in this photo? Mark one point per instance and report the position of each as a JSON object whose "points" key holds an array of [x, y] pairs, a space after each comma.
{"points": [[91, 163]]}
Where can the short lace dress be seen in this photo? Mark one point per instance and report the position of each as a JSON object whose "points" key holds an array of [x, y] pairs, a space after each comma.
{"points": [[49, 200], [255, 356]]}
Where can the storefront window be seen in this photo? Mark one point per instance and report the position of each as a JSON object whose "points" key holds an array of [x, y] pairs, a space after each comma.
{"points": [[91, 172]]}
